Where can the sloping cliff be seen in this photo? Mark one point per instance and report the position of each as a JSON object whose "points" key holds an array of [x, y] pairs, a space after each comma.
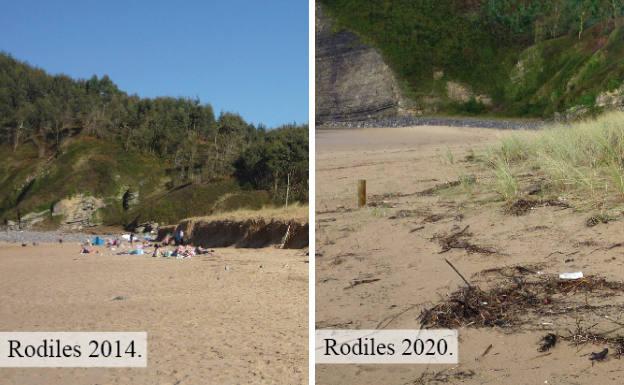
{"points": [[352, 80]]}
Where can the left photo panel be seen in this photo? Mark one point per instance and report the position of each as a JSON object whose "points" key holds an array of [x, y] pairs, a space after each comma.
{"points": [[154, 192]]}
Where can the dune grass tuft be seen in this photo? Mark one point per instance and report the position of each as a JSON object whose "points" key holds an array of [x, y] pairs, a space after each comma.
{"points": [[506, 183], [583, 159]]}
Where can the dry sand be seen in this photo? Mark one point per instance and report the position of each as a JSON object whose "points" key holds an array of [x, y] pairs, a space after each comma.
{"points": [[366, 243], [204, 324]]}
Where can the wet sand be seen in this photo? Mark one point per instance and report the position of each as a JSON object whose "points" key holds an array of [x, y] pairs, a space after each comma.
{"points": [[205, 324], [402, 253]]}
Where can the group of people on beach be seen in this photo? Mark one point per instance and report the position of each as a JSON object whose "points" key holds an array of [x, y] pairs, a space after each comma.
{"points": [[177, 238], [137, 247]]}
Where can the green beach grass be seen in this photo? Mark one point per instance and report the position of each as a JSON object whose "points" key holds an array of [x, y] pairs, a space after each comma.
{"points": [[582, 161]]}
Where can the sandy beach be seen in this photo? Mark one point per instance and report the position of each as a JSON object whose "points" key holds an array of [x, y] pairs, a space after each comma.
{"points": [[244, 324], [392, 245]]}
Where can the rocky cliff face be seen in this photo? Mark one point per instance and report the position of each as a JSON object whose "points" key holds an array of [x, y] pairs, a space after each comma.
{"points": [[78, 211], [352, 80], [71, 213]]}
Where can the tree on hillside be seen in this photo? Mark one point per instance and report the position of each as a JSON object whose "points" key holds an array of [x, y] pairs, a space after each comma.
{"points": [[228, 140], [278, 163]]}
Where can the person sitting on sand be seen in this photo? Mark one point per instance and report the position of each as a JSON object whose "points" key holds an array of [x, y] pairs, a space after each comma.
{"points": [[179, 237], [182, 252], [200, 250], [85, 250]]}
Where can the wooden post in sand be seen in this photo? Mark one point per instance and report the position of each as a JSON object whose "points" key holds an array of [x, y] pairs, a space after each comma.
{"points": [[361, 193]]}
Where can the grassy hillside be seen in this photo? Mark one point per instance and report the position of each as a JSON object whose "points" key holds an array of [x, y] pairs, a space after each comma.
{"points": [[528, 57], [95, 168], [187, 201], [123, 159], [557, 74], [87, 166]]}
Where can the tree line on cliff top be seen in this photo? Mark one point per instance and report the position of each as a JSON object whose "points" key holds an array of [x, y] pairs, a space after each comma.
{"points": [[47, 112]]}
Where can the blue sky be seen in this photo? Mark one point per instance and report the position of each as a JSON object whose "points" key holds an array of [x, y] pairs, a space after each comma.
{"points": [[245, 56]]}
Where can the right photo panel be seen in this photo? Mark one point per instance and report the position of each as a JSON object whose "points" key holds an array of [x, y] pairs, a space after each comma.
{"points": [[469, 192]]}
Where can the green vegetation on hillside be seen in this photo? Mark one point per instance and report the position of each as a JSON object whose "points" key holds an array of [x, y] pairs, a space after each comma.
{"points": [[281, 155], [530, 57], [87, 166], [187, 201], [62, 137]]}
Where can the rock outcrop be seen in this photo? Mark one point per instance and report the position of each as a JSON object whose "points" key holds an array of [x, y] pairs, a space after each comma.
{"points": [[611, 99], [31, 219], [352, 80], [458, 92], [78, 211]]}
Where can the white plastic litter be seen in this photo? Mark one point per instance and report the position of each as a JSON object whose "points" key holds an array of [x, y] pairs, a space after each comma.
{"points": [[574, 275], [126, 237]]}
